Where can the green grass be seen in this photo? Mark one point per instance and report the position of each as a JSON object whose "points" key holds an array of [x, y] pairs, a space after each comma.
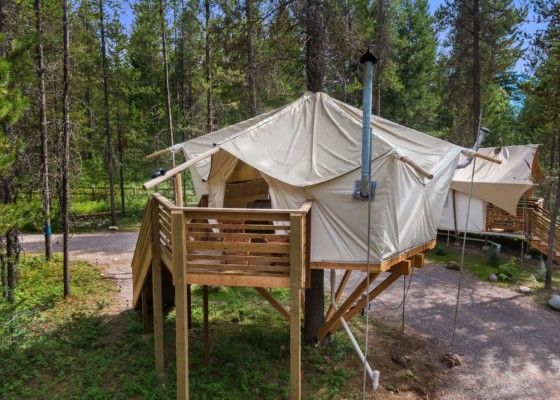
{"points": [[480, 265], [51, 348]]}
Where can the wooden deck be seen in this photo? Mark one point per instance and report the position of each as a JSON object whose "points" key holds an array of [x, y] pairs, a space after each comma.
{"points": [[531, 222], [228, 247], [260, 248]]}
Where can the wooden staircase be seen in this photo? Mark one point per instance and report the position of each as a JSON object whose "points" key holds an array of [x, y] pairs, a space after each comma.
{"points": [[534, 226], [539, 225]]}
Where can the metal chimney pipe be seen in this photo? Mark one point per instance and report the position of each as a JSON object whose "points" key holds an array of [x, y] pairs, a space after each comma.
{"points": [[367, 60], [482, 133]]}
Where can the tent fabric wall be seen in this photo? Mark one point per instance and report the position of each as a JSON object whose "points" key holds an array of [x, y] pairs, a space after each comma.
{"points": [[501, 184], [311, 149], [477, 214]]}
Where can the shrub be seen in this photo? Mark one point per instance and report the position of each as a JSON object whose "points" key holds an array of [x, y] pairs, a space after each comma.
{"points": [[507, 271], [440, 251], [541, 270], [493, 256]]}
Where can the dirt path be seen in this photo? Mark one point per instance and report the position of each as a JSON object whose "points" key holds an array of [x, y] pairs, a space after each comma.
{"points": [[510, 346]]}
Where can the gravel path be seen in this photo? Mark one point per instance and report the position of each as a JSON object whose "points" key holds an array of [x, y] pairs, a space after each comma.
{"points": [[510, 346]]}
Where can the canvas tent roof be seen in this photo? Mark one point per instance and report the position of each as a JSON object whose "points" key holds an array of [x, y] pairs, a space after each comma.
{"points": [[501, 184], [311, 149], [315, 139]]}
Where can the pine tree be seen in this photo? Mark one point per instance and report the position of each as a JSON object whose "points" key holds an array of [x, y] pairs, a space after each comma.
{"points": [[481, 39]]}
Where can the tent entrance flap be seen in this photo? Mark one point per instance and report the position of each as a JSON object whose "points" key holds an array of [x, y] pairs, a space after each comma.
{"points": [[244, 186]]}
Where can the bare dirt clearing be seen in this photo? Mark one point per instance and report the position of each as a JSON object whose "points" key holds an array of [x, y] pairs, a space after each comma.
{"points": [[510, 346]]}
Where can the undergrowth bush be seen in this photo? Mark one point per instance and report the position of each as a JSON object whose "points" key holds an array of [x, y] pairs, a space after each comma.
{"points": [[507, 271], [493, 256]]}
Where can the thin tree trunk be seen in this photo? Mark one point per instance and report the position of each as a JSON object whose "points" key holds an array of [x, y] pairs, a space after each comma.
{"points": [[210, 116], [177, 181], [476, 68], [110, 161], [251, 87], [43, 125], [380, 57], [316, 39], [66, 149], [552, 231], [314, 312], [120, 151]]}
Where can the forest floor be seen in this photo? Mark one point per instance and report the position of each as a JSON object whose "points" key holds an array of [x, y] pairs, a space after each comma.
{"points": [[509, 345]]}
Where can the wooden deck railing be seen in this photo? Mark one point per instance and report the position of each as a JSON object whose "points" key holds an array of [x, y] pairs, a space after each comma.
{"points": [[230, 247], [498, 220]]}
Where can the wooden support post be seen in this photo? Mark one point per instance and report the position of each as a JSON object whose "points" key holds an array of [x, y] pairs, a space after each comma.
{"points": [[206, 325], [145, 309], [345, 306], [339, 292], [157, 293], [182, 329], [418, 260], [178, 190], [308, 249], [189, 308], [297, 257]]}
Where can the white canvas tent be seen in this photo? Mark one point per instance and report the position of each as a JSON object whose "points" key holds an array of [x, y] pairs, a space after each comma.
{"points": [[502, 185], [311, 149]]}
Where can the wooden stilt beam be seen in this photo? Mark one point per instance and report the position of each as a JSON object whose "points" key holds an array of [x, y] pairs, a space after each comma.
{"points": [[418, 260], [206, 324], [178, 190], [339, 292], [349, 302], [157, 293], [145, 309], [274, 303], [396, 272], [297, 260], [189, 307], [181, 305]]}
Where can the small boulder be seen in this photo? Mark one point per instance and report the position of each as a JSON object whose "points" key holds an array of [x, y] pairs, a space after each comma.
{"points": [[555, 302], [452, 360], [402, 360], [525, 289], [492, 278], [452, 265], [113, 228]]}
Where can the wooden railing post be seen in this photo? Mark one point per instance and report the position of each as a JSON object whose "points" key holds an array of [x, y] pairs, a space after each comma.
{"points": [[297, 255], [157, 292], [181, 306]]}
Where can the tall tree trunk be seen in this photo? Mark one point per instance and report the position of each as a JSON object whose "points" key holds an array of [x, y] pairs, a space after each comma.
{"points": [[177, 179], [65, 206], [380, 56], [251, 87], [315, 70], [89, 154], [43, 125], [110, 161], [210, 116], [120, 154], [316, 40], [552, 229], [476, 68]]}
